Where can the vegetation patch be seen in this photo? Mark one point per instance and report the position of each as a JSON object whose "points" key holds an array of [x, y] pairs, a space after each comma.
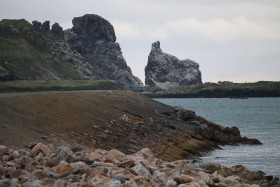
{"points": [[232, 90], [54, 85]]}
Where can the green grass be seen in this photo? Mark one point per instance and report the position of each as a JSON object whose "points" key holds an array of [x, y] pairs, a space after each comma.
{"points": [[54, 85], [256, 85], [26, 54], [256, 89]]}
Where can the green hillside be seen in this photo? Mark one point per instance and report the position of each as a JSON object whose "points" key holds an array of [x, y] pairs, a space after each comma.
{"points": [[54, 85], [233, 90], [25, 54]]}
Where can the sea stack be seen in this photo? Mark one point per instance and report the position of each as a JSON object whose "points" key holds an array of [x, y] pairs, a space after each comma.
{"points": [[167, 71]]}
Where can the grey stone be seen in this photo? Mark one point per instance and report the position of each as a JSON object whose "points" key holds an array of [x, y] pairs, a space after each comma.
{"points": [[63, 153], [167, 71], [8, 183], [120, 178]]}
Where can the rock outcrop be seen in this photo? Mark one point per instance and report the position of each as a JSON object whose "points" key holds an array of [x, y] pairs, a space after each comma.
{"points": [[88, 167], [94, 39], [166, 71], [57, 30], [86, 51]]}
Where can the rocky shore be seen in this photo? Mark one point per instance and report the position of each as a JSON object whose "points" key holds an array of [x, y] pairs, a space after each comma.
{"points": [[106, 138], [120, 120], [45, 165]]}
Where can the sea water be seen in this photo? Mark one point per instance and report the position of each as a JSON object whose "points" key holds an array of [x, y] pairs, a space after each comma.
{"points": [[255, 117]]}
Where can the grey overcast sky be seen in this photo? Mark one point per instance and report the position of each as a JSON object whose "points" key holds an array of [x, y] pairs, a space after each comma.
{"points": [[234, 40]]}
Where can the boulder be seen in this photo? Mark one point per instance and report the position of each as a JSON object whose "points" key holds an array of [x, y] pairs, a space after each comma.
{"points": [[113, 156], [63, 168], [8, 183], [63, 153], [226, 172], [127, 163], [40, 148], [253, 175], [211, 168], [3, 150], [167, 71], [171, 183], [182, 179], [79, 167], [141, 170], [184, 114], [238, 169]]}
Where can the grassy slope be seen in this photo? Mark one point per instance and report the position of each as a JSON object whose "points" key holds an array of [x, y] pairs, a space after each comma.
{"points": [[93, 119], [257, 89], [53, 85], [25, 54]]}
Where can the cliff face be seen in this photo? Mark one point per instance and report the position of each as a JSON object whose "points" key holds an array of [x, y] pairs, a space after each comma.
{"points": [[167, 71], [86, 51]]}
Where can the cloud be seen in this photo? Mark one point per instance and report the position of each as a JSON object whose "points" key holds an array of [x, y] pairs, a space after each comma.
{"points": [[138, 30], [219, 30], [224, 30], [127, 30]]}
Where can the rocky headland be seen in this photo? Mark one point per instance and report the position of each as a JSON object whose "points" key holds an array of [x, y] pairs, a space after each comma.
{"points": [[92, 123], [167, 71], [87, 51]]}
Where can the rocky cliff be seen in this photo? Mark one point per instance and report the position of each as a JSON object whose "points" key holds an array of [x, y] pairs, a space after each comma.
{"points": [[166, 71], [86, 51]]}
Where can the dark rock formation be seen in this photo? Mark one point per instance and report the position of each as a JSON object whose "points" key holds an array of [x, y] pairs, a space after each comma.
{"points": [[93, 49], [36, 25], [86, 51], [89, 29], [45, 26], [167, 71], [57, 30]]}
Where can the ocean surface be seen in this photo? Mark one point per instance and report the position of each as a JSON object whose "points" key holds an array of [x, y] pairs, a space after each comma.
{"points": [[255, 117]]}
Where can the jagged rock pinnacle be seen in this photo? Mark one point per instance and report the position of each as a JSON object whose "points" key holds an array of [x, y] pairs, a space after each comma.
{"points": [[167, 71], [156, 47]]}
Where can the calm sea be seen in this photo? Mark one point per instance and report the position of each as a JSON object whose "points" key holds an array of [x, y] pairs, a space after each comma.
{"points": [[255, 117]]}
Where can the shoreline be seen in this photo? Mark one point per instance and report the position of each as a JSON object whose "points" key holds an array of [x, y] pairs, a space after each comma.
{"points": [[121, 120], [126, 115]]}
